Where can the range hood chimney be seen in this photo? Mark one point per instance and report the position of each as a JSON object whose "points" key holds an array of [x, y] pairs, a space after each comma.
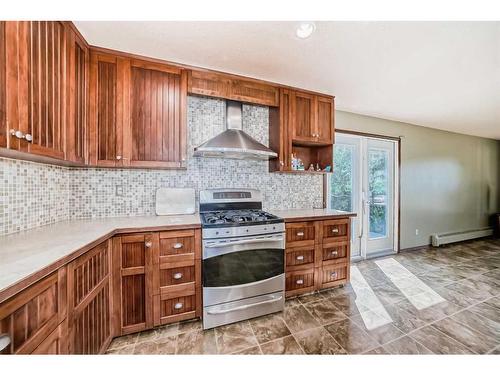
{"points": [[234, 143]]}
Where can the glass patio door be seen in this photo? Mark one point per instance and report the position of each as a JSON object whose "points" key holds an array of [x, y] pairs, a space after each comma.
{"points": [[364, 181]]}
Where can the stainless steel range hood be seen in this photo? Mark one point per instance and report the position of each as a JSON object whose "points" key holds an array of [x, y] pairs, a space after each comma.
{"points": [[234, 143]]}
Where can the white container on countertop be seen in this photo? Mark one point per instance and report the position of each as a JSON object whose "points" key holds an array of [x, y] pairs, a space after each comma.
{"points": [[175, 201]]}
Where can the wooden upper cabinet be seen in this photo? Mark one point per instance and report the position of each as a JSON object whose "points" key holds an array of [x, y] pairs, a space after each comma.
{"points": [[78, 84], [157, 115], [325, 119], [280, 127], [231, 87], [46, 87], [303, 114], [3, 88]]}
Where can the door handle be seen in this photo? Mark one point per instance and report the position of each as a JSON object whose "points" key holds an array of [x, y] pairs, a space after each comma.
{"points": [[224, 311], [242, 242]]}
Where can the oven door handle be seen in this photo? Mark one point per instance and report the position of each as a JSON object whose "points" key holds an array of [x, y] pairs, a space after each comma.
{"points": [[225, 311], [242, 242]]}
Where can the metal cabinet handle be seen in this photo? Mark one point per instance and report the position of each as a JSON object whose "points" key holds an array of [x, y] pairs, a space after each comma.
{"points": [[300, 234], [178, 305], [335, 230], [299, 282], [148, 244], [335, 252], [118, 157], [177, 275], [20, 135], [178, 245], [333, 274], [281, 162], [300, 257], [4, 341]]}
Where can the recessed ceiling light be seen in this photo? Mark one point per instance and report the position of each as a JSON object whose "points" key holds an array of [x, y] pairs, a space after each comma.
{"points": [[305, 29]]}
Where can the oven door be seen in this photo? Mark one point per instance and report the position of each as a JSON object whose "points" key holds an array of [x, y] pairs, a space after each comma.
{"points": [[240, 268]]}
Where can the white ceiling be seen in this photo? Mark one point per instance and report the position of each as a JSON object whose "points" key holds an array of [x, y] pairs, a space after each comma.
{"points": [[444, 75]]}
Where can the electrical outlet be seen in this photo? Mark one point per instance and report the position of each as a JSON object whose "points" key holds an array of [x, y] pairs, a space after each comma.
{"points": [[119, 190], [416, 232]]}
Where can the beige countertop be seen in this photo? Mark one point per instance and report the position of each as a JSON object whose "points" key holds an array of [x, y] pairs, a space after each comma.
{"points": [[42, 250], [311, 214]]}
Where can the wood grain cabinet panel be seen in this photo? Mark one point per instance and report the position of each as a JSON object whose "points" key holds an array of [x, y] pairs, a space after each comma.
{"points": [[304, 126], [89, 301], [56, 342], [280, 129], [334, 275], [335, 251], [324, 119], [32, 315], [334, 230], [302, 257], [299, 282], [209, 84], [157, 115], [3, 87], [300, 234], [254, 92]]}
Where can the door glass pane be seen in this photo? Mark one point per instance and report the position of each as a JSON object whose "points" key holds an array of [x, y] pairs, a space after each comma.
{"points": [[377, 192], [341, 197]]}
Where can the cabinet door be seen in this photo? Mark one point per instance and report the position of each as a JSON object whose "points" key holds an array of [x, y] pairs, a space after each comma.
{"points": [[133, 272], [106, 110], [303, 117], [89, 301], [32, 315], [3, 88], [78, 71], [280, 122], [47, 87], [157, 113], [324, 119]]}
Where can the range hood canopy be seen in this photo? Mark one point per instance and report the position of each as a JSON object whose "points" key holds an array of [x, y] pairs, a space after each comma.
{"points": [[234, 143]]}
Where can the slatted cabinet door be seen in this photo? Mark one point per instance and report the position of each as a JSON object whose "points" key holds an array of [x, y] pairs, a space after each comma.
{"points": [[32, 315], [133, 271], [157, 115], [89, 300]]}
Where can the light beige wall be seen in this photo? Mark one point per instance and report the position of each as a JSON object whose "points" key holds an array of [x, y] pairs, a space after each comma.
{"points": [[449, 181]]}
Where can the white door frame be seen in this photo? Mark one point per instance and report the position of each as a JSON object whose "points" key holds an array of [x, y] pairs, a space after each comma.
{"points": [[359, 240]]}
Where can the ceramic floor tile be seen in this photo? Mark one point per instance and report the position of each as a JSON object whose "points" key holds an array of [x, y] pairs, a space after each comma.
{"points": [[125, 350], [377, 350], [487, 311], [403, 319], [318, 341], [197, 342], [473, 340], [299, 319], [312, 297], [164, 345], [438, 342], [249, 351], [235, 337], [494, 302], [269, 327], [122, 341], [478, 323], [406, 345], [352, 338], [382, 334], [284, 345], [348, 304], [154, 334], [324, 311]]}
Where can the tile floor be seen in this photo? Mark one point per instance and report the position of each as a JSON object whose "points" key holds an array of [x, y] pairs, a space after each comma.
{"points": [[441, 301]]}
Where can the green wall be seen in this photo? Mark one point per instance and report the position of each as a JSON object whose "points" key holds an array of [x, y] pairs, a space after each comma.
{"points": [[449, 181]]}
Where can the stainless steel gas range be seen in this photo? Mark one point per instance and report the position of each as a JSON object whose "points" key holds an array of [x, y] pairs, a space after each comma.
{"points": [[243, 257]]}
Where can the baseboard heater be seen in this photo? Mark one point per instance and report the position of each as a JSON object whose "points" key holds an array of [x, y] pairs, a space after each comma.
{"points": [[450, 237]]}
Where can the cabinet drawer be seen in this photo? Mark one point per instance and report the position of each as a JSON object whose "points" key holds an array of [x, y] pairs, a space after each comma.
{"points": [[170, 309], [333, 274], [300, 234], [336, 229], [177, 275], [300, 280], [296, 257], [336, 251], [177, 243]]}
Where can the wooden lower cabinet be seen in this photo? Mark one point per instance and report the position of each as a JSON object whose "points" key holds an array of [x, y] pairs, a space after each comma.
{"points": [[317, 255], [56, 342], [31, 316], [89, 301]]}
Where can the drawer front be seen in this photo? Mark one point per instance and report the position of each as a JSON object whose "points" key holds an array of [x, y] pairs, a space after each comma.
{"points": [[299, 257], [336, 251], [336, 229], [333, 273], [177, 243], [300, 234], [177, 275], [171, 309], [299, 280]]}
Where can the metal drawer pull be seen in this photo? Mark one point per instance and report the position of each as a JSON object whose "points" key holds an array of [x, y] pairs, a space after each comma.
{"points": [[148, 244], [243, 242], [4, 341], [335, 230], [217, 312], [300, 234], [300, 282], [178, 245], [335, 253], [333, 274], [178, 275], [178, 305], [300, 257]]}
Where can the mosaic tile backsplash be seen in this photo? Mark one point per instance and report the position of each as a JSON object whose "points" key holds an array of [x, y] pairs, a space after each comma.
{"points": [[36, 194]]}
